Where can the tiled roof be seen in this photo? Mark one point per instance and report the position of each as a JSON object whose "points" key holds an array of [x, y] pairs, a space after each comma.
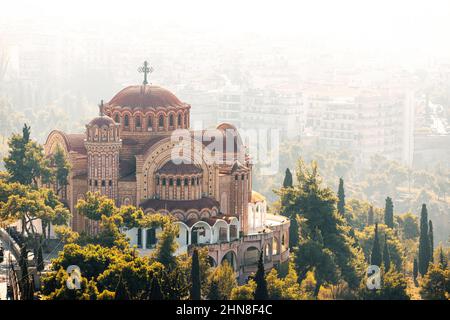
{"points": [[182, 168], [170, 205], [102, 121], [143, 96], [75, 142]]}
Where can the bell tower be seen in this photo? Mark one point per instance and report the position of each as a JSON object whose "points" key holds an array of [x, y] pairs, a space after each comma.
{"points": [[103, 145]]}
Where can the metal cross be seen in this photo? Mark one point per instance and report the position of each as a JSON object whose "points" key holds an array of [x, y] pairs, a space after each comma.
{"points": [[145, 70], [100, 108]]}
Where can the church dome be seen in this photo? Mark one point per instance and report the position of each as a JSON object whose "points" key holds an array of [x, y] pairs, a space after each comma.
{"points": [[145, 96], [102, 121]]}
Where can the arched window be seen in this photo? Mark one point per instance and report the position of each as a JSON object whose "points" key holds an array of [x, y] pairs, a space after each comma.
{"points": [[126, 121], [117, 118], [161, 121], [284, 243], [179, 120], [139, 238], [178, 182], [186, 181], [164, 181], [170, 182], [138, 122], [274, 246], [193, 181], [151, 238], [149, 123], [171, 120]]}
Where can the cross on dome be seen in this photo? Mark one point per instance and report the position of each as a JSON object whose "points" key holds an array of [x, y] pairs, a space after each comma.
{"points": [[145, 69]]}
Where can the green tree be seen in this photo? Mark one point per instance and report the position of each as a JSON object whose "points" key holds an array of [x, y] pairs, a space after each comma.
{"points": [[66, 235], [224, 279], [27, 206], [120, 271], [389, 213], [175, 284], [260, 279], [25, 280], [288, 288], [244, 292], [341, 198], [394, 286], [311, 255], [195, 290], [375, 257], [370, 216], [167, 245], [431, 237], [409, 225], [443, 263], [26, 163], [39, 257], [415, 269], [214, 292], [155, 290], [293, 232], [316, 206], [287, 182], [59, 290], [424, 242], [61, 169], [386, 255], [366, 239], [59, 215], [435, 284], [95, 206]]}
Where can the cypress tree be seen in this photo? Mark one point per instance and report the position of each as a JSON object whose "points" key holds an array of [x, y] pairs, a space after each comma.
{"points": [[389, 213], [442, 260], [386, 255], [375, 257], [24, 281], [415, 269], [341, 198], [430, 235], [195, 290], [39, 255], [261, 292], [213, 292], [287, 183], [155, 290], [424, 242], [293, 232], [370, 216]]}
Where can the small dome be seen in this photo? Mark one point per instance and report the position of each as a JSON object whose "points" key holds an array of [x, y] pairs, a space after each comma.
{"points": [[145, 96], [102, 121]]}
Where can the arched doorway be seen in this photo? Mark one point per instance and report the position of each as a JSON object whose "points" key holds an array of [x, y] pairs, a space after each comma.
{"points": [[251, 256]]}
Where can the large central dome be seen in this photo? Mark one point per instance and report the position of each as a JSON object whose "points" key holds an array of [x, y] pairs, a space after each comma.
{"points": [[145, 96]]}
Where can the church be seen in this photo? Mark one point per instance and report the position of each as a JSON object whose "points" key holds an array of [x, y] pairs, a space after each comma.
{"points": [[141, 151]]}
